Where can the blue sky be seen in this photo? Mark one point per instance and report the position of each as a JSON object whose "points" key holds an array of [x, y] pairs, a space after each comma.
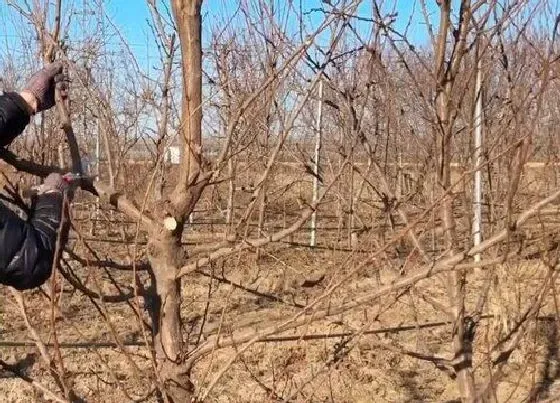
{"points": [[131, 17]]}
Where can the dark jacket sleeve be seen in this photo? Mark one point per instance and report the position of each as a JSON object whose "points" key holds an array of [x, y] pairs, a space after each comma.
{"points": [[28, 247], [13, 117]]}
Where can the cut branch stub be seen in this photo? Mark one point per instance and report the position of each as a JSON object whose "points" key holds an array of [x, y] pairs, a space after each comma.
{"points": [[170, 223]]}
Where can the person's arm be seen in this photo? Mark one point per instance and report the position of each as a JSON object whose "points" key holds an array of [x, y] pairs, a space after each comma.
{"points": [[28, 247], [14, 116], [16, 108]]}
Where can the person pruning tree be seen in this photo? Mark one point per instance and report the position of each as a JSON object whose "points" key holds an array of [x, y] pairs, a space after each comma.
{"points": [[27, 247]]}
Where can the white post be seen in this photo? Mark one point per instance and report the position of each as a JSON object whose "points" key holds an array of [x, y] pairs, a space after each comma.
{"points": [[231, 194], [477, 192], [316, 162], [95, 212], [97, 153]]}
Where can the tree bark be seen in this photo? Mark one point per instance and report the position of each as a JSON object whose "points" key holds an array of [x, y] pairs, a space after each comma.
{"points": [[165, 256], [188, 19], [446, 73], [165, 251]]}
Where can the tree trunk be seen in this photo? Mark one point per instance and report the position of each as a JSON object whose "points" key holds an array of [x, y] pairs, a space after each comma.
{"points": [[165, 256], [165, 251], [462, 334], [188, 19], [463, 329]]}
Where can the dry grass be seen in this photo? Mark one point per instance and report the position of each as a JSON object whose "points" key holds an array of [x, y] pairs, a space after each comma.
{"points": [[364, 368]]}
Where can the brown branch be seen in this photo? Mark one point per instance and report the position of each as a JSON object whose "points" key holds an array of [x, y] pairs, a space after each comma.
{"points": [[26, 166], [450, 263], [260, 242], [14, 369], [116, 199], [39, 342], [77, 284], [121, 203], [523, 217], [109, 263]]}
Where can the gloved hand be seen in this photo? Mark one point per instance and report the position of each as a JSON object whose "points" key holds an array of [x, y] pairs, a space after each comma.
{"points": [[41, 85], [54, 183]]}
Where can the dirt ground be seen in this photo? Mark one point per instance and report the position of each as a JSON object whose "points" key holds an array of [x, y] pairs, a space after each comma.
{"points": [[369, 354], [365, 368]]}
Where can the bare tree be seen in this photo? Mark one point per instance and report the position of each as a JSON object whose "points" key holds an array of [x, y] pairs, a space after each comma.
{"points": [[396, 175]]}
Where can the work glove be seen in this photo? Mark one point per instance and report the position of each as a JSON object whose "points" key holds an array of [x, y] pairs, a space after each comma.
{"points": [[42, 85], [54, 183]]}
